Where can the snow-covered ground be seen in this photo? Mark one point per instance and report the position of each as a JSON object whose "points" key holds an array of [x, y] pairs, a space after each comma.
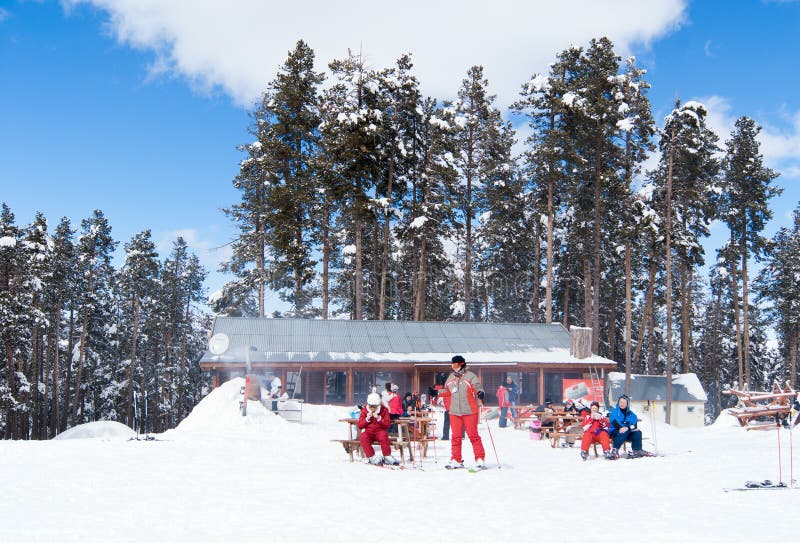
{"points": [[223, 477]]}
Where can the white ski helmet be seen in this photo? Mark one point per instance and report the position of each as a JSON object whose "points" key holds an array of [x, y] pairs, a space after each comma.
{"points": [[373, 399]]}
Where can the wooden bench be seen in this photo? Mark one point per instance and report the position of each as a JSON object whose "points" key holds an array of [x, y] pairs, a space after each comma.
{"points": [[354, 445]]}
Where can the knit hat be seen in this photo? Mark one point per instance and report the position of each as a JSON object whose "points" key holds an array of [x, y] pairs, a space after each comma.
{"points": [[373, 399], [458, 359]]}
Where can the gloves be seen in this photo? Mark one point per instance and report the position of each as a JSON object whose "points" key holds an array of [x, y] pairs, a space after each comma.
{"points": [[481, 395], [378, 418], [369, 414]]}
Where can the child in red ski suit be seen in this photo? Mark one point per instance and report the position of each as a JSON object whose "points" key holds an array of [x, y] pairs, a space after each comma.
{"points": [[374, 422], [595, 430]]}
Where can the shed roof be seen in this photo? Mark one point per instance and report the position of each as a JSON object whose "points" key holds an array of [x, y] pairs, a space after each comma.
{"points": [[686, 387], [268, 340]]}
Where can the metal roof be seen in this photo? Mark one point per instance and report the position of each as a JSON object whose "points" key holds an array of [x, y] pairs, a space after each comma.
{"points": [[686, 387], [317, 340]]}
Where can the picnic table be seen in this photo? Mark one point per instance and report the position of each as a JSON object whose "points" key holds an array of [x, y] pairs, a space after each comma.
{"points": [[561, 424], [400, 440]]}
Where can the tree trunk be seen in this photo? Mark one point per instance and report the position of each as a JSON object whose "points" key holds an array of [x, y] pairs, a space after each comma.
{"points": [[685, 316], [596, 252], [326, 253], [132, 364], [668, 302], [565, 317], [419, 300], [628, 316], [468, 253], [648, 306], [537, 252], [745, 309], [794, 339], [612, 323], [359, 277], [735, 292], [548, 297], [181, 382], [62, 423], [587, 293], [385, 259]]}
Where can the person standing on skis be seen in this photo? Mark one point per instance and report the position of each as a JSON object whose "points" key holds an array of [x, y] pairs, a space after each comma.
{"points": [[374, 424], [462, 394]]}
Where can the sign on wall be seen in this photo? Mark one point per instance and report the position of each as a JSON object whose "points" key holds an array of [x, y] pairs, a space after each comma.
{"points": [[583, 389]]}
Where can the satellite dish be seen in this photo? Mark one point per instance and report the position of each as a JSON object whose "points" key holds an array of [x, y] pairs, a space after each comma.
{"points": [[218, 343]]}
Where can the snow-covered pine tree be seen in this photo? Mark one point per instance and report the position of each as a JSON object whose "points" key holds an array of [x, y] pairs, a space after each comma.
{"points": [[400, 142], [779, 281], [541, 102], [747, 191], [37, 254], [94, 251], [425, 273], [60, 300], [288, 132], [137, 282], [686, 182], [477, 122], [350, 136], [15, 328]]}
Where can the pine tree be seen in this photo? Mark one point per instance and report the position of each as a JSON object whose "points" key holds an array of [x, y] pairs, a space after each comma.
{"points": [[288, 133], [95, 248], [779, 281], [746, 201], [15, 327], [686, 182], [350, 134], [137, 281]]}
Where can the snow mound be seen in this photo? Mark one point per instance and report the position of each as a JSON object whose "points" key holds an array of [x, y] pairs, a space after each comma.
{"points": [[725, 420], [219, 412], [106, 429]]}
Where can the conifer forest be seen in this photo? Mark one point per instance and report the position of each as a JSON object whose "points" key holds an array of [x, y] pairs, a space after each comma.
{"points": [[362, 198]]}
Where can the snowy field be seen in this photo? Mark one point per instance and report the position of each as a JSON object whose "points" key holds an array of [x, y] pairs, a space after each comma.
{"points": [[222, 477]]}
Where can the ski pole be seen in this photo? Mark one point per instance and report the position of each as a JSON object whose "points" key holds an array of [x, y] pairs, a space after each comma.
{"points": [[780, 467], [488, 427]]}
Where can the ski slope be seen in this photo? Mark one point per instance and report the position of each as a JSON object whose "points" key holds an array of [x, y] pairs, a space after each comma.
{"points": [[223, 477]]}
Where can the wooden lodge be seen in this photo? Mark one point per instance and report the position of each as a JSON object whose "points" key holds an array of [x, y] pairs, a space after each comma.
{"points": [[339, 361]]}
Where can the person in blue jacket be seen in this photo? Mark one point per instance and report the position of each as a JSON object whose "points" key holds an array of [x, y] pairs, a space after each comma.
{"points": [[622, 427]]}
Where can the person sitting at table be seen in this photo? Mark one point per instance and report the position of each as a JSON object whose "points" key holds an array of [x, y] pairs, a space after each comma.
{"points": [[503, 402], [408, 404], [463, 393], [547, 411], [623, 427], [374, 422], [595, 430]]}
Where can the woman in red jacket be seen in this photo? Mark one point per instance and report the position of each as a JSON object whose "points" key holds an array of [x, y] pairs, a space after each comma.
{"points": [[595, 430], [462, 394], [374, 422]]}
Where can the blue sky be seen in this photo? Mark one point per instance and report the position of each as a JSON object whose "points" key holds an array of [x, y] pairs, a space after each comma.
{"points": [[136, 108]]}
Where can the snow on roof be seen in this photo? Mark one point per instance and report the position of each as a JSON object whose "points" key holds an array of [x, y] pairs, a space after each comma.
{"points": [[317, 340], [686, 387]]}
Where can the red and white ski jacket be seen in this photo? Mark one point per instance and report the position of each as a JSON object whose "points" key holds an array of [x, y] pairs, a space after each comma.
{"points": [[595, 425], [460, 393]]}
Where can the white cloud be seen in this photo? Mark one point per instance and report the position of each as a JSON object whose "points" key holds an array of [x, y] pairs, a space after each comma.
{"points": [[780, 146], [211, 253], [4, 14], [237, 45]]}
